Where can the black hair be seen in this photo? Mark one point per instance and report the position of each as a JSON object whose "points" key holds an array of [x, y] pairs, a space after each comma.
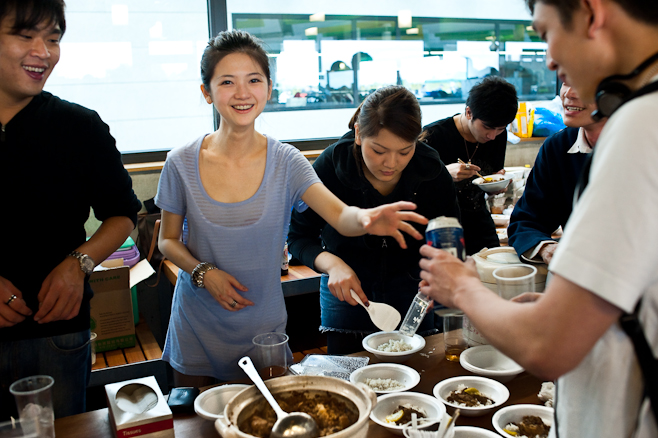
{"points": [[394, 108], [28, 14], [494, 101], [641, 10], [226, 43]]}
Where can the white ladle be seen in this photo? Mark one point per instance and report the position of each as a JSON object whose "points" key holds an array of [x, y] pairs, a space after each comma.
{"points": [[384, 316], [294, 424]]}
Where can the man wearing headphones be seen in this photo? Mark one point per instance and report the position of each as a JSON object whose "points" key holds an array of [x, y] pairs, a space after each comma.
{"points": [[606, 262], [548, 196]]}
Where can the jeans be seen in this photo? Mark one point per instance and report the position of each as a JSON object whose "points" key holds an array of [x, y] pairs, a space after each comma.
{"points": [[66, 358]]}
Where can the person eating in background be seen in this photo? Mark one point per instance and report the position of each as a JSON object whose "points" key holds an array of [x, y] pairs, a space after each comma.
{"points": [[548, 196], [475, 142], [380, 160], [234, 190]]}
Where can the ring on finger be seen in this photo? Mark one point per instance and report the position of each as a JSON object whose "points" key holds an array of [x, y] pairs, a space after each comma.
{"points": [[468, 166], [233, 304], [11, 298]]}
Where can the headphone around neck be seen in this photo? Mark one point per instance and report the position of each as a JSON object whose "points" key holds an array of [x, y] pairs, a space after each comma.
{"points": [[611, 93]]}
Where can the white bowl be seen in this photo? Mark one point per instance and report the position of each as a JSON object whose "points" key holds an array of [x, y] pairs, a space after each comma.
{"points": [[387, 404], [487, 361], [371, 342], [473, 432], [407, 376], [210, 403], [500, 220], [488, 387], [499, 183], [515, 413]]}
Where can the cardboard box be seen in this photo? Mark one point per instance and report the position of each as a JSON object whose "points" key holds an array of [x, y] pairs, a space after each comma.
{"points": [[112, 314], [111, 309], [137, 408]]}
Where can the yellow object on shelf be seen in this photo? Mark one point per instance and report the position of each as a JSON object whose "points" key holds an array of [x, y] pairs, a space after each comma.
{"points": [[524, 121]]}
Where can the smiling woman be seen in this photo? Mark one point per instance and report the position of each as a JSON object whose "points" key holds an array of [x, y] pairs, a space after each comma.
{"points": [[234, 189]]}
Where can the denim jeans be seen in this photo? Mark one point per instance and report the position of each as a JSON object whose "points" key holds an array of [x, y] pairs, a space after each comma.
{"points": [[66, 358]]}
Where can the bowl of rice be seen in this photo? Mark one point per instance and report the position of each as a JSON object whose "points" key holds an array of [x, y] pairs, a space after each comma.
{"points": [[385, 378], [510, 418], [393, 346], [473, 395], [386, 412]]}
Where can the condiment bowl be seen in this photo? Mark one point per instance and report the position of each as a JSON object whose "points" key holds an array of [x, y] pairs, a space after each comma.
{"points": [[493, 389], [487, 361], [210, 403], [474, 432], [371, 342], [389, 403], [498, 184], [406, 376], [515, 413]]}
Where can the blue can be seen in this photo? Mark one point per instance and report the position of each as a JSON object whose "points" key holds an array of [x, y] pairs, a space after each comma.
{"points": [[446, 233]]}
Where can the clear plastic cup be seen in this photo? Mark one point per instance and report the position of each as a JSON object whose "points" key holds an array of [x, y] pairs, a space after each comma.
{"points": [[34, 401], [271, 354]]}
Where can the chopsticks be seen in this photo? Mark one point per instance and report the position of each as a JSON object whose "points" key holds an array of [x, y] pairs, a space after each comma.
{"points": [[459, 160]]}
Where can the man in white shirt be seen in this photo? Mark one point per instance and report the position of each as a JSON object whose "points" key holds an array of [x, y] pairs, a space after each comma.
{"points": [[606, 262]]}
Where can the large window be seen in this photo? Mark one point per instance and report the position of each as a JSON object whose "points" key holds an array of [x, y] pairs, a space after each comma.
{"points": [[136, 62]]}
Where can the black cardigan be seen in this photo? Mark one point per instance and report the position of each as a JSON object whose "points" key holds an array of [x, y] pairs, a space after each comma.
{"points": [[58, 160], [375, 259]]}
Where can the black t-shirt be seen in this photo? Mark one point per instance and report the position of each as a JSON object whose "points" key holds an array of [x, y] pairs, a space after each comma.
{"points": [[445, 138], [58, 160]]}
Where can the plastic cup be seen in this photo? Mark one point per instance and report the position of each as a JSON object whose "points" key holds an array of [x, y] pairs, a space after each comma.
{"points": [[92, 341], [454, 335], [271, 354], [19, 429], [34, 401], [513, 280]]}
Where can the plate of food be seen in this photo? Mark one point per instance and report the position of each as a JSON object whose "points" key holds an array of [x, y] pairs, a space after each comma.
{"points": [[493, 183]]}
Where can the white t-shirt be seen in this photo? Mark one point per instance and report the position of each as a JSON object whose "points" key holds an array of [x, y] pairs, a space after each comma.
{"points": [[610, 247]]}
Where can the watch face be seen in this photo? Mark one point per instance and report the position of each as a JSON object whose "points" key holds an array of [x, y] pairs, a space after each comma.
{"points": [[86, 264]]}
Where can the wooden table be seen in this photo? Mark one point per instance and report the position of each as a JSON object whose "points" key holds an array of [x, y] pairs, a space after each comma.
{"points": [[433, 367]]}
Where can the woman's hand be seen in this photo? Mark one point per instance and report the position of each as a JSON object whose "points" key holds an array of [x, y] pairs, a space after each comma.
{"points": [[391, 219], [342, 279], [221, 286], [443, 274], [462, 171]]}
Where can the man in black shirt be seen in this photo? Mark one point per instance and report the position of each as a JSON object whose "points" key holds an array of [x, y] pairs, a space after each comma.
{"points": [[59, 160], [475, 141]]}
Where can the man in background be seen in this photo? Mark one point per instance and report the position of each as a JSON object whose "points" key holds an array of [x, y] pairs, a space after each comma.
{"points": [[58, 160], [548, 196]]}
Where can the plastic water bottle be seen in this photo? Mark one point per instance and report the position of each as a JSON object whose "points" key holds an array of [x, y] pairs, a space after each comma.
{"points": [[415, 314]]}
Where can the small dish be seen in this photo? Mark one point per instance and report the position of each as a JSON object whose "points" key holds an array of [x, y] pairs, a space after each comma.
{"points": [[498, 184], [474, 432], [387, 404], [493, 389], [210, 403], [371, 342], [405, 375], [515, 413], [500, 220], [487, 361]]}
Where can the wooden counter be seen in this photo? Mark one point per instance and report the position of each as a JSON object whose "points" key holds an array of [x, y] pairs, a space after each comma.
{"points": [[431, 364]]}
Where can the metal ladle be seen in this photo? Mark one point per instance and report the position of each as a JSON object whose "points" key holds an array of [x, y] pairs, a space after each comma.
{"points": [[294, 424]]}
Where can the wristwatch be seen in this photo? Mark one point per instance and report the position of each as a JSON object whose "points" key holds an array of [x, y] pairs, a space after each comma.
{"points": [[86, 262], [199, 271]]}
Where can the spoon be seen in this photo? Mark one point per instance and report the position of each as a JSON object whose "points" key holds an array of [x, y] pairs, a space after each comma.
{"points": [[295, 424], [384, 316]]}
